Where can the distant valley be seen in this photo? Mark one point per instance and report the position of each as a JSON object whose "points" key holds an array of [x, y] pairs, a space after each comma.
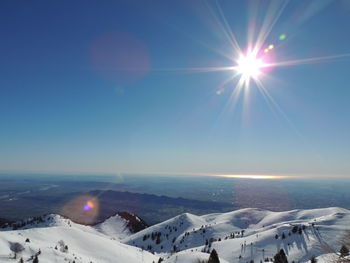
{"points": [[157, 198]]}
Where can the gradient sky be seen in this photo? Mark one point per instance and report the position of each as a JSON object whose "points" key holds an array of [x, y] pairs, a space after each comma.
{"points": [[91, 86]]}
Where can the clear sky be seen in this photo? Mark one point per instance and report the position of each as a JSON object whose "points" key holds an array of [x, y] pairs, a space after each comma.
{"points": [[105, 87]]}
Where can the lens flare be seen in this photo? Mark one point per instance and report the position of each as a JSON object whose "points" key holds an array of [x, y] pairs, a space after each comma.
{"points": [[282, 37], [120, 57], [89, 205], [82, 209]]}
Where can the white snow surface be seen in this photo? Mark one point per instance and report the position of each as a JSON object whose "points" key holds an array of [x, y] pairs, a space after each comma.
{"points": [[111, 241], [195, 257], [115, 227], [85, 243], [258, 242]]}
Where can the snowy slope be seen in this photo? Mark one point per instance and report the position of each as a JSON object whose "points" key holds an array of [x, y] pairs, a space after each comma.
{"points": [[195, 257], [115, 227], [84, 243], [191, 233], [238, 237]]}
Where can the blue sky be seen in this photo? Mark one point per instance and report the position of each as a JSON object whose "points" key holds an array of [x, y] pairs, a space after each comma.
{"points": [[95, 87]]}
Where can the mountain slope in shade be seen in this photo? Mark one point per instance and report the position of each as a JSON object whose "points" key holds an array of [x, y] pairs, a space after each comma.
{"points": [[114, 227]]}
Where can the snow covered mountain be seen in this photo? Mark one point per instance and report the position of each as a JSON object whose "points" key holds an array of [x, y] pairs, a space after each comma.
{"points": [[247, 234], [121, 225], [60, 240], [239, 236]]}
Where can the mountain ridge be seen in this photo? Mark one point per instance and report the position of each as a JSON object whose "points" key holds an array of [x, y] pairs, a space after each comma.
{"points": [[238, 236]]}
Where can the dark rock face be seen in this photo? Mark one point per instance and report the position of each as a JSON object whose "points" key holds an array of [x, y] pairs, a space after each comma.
{"points": [[135, 224]]}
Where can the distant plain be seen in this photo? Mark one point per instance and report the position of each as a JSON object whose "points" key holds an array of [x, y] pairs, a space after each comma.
{"points": [[158, 197]]}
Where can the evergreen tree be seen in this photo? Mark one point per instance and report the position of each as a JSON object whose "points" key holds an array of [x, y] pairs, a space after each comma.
{"points": [[283, 256], [344, 251], [295, 229], [36, 260], [280, 257], [213, 258], [313, 260], [21, 260]]}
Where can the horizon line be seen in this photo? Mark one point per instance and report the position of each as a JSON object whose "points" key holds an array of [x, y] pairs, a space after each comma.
{"points": [[224, 175]]}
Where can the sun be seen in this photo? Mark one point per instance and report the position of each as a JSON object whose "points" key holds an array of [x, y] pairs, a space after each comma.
{"points": [[249, 66]]}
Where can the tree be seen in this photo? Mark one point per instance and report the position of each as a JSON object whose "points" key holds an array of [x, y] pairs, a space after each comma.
{"points": [[313, 260], [295, 229], [281, 257], [21, 260], [344, 251], [213, 258], [16, 248], [36, 259]]}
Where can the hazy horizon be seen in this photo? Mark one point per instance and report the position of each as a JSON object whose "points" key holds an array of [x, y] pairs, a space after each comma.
{"points": [[233, 176]]}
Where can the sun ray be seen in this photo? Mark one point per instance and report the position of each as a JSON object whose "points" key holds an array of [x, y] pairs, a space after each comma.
{"points": [[252, 23], [250, 65], [269, 97], [269, 23], [306, 60], [234, 96], [196, 69], [228, 31], [231, 103]]}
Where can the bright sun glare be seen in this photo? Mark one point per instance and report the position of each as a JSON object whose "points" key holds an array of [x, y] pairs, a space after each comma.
{"points": [[249, 66], [253, 176]]}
